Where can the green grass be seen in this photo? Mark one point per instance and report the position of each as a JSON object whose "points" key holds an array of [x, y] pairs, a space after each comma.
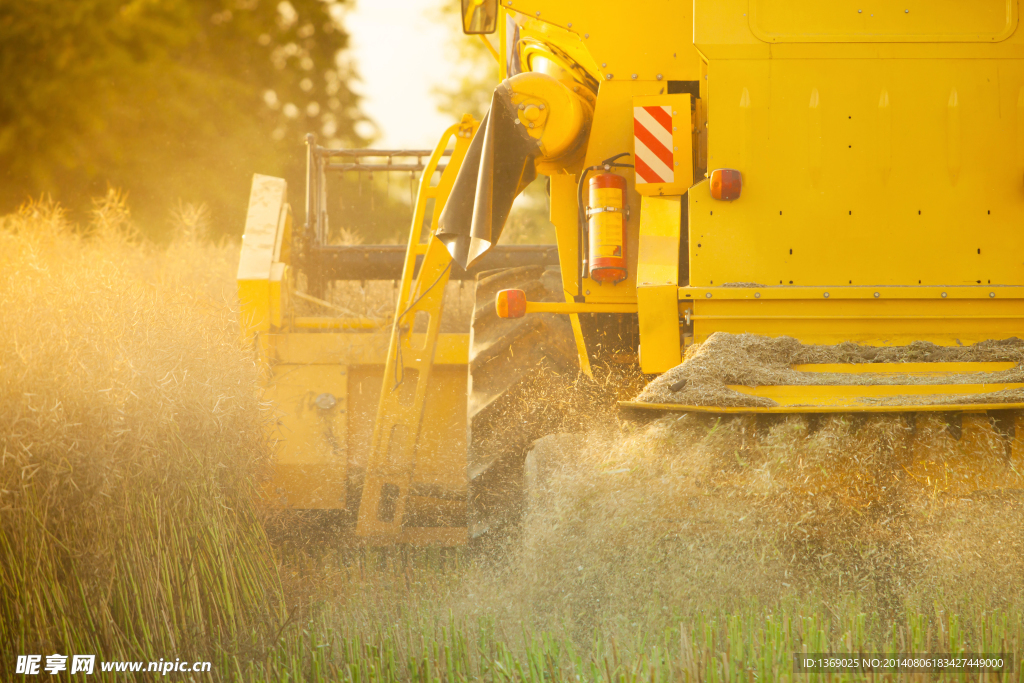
{"points": [[754, 643]]}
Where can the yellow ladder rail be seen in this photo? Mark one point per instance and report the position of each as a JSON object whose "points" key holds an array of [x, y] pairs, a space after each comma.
{"points": [[407, 372]]}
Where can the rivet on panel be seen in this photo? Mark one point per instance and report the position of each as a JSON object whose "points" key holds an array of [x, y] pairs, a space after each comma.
{"points": [[992, 295], [707, 295], [877, 295], [943, 295], [826, 295], [757, 295]]}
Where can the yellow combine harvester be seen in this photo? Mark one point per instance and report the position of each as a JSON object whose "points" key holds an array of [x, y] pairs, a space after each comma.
{"points": [[834, 172]]}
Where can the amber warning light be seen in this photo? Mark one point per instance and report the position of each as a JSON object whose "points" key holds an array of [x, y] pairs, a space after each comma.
{"points": [[511, 303], [725, 184]]}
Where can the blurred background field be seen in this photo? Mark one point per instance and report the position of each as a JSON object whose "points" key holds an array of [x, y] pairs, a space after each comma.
{"points": [[132, 444]]}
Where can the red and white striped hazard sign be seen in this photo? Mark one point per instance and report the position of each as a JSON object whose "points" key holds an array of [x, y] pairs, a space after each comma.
{"points": [[652, 139]]}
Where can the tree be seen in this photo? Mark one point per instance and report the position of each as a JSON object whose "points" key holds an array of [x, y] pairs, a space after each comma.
{"points": [[168, 99]]}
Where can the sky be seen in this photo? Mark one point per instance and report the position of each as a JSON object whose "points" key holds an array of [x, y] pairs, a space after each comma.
{"points": [[401, 49]]}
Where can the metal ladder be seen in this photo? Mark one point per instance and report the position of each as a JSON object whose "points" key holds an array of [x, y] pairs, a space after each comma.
{"points": [[397, 429]]}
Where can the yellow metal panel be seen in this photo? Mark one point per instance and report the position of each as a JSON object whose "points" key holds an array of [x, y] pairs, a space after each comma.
{"points": [[917, 369], [682, 143], [314, 323], [658, 259], [310, 465], [363, 348], [278, 293], [254, 297], [855, 21], [854, 396], [878, 322], [267, 201], [1000, 292], [657, 291], [629, 40], [838, 408], [827, 199], [258, 291], [722, 30], [660, 343]]}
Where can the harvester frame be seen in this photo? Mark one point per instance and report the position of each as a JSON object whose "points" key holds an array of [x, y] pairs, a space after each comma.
{"points": [[796, 169]]}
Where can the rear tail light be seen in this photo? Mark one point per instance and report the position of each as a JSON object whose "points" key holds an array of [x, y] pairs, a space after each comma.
{"points": [[511, 303], [726, 184]]}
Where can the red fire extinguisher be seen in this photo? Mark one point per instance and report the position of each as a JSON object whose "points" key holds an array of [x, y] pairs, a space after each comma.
{"points": [[606, 221]]}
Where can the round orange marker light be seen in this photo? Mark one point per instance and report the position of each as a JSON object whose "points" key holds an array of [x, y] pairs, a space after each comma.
{"points": [[726, 184], [511, 303]]}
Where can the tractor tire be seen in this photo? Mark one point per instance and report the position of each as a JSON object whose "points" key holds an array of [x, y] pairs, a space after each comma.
{"points": [[516, 367]]}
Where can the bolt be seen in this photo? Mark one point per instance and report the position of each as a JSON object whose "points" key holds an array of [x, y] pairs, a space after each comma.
{"points": [[634, 77], [991, 295], [757, 295], [604, 64], [906, 11], [518, 121], [586, 35], [531, 125], [943, 295], [537, 13], [876, 295], [569, 25], [826, 295], [540, 106], [707, 295], [658, 77], [522, 106], [608, 77], [588, 292]]}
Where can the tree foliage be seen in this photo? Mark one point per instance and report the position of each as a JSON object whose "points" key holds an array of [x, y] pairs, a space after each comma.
{"points": [[168, 99]]}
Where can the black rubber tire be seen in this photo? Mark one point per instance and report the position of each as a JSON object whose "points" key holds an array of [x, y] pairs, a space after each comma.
{"points": [[513, 363]]}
